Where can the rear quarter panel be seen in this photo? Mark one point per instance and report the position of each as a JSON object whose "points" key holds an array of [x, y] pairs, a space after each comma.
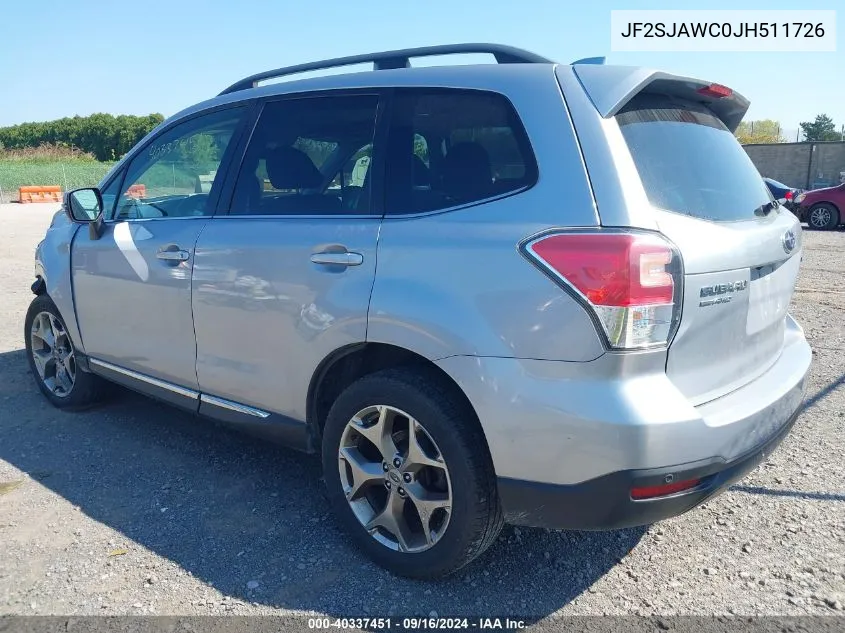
{"points": [[454, 283], [837, 197]]}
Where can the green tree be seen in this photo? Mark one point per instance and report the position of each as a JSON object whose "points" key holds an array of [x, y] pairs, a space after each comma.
{"points": [[421, 148], [822, 129], [104, 135], [764, 131], [200, 152], [317, 151]]}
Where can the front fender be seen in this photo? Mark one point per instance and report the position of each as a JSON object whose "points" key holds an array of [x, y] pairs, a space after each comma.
{"points": [[53, 275]]}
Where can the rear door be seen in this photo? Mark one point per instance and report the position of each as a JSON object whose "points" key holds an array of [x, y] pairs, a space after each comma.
{"points": [[740, 255], [283, 278]]}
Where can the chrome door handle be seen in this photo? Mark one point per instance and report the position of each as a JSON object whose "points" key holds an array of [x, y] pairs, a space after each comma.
{"points": [[172, 253], [338, 259]]}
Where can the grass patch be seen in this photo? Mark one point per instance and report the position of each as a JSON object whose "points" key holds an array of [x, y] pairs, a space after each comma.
{"points": [[68, 173]]}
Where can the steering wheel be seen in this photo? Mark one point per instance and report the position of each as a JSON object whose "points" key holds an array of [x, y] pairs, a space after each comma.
{"points": [[157, 208], [132, 207]]}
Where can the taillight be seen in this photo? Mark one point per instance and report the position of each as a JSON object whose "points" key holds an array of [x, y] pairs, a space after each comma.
{"points": [[631, 282], [788, 195]]}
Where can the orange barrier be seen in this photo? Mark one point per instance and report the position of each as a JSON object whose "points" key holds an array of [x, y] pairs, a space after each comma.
{"points": [[136, 191], [50, 193]]}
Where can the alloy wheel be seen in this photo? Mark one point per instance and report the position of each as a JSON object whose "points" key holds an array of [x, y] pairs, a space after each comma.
{"points": [[395, 479], [53, 354], [820, 217]]}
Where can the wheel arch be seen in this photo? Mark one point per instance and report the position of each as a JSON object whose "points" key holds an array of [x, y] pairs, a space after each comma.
{"points": [[346, 365], [829, 203]]}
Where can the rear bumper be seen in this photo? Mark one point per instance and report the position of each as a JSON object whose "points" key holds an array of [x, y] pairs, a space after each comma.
{"points": [[605, 503], [570, 440]]}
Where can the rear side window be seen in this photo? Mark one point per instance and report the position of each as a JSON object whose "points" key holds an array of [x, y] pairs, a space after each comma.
{"points": [[689, 162], [309, 156], [453, 147]]}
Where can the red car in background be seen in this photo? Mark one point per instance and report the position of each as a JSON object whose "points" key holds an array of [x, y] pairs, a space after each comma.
{"points": [[822, 209]]}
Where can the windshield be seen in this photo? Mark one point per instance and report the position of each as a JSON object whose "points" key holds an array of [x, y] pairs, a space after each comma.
{"points": [[689, 162]]}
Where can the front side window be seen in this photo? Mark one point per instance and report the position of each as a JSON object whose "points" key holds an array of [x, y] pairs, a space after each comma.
{"points": [[454, 147], [309, 156], [173, 176]]}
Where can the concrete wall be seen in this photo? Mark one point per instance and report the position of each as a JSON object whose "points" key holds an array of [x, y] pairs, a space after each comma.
{"points": [[800, 165]]}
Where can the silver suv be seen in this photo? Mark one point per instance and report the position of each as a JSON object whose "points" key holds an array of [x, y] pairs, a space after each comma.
{"points": [[526, 292]]}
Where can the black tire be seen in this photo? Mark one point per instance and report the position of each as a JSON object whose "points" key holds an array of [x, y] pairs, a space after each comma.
{"points": [[476, 516], [87, 388], [823, 217]]}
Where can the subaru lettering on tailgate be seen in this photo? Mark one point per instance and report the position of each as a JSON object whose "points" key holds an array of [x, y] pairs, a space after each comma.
{"points": [[722, 292]]}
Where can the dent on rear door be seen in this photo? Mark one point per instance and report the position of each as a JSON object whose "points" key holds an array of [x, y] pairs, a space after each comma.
{"points": [[266, 316], [273, 294]]}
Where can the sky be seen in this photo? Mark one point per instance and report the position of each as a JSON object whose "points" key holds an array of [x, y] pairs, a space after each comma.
{"points": [[163, 55]]}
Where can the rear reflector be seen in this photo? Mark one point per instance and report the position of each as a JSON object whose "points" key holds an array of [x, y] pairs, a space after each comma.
{"points": [[631, 281], [650, 492]]}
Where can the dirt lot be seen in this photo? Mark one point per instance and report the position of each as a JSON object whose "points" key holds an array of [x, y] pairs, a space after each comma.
{"points": [[136, 508]]}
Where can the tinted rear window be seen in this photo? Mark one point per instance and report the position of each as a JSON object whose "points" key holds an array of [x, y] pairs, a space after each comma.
{"points": [[689, 162], [453, 147]]}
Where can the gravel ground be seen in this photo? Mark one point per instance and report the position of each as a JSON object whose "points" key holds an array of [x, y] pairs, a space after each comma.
{"points": [[134, 508]]}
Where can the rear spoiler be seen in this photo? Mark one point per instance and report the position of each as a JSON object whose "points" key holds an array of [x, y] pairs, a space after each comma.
{"points": [[611, 87]]}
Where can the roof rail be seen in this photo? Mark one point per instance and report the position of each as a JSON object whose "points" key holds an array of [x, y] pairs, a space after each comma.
{"points": [[396, 59], [589, 60]]}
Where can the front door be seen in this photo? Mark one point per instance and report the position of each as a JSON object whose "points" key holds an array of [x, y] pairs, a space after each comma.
{"points": [[132, 286], [284, 278]]}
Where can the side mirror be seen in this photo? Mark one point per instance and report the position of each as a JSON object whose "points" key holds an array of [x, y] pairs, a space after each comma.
{"points": [[85, 206]]}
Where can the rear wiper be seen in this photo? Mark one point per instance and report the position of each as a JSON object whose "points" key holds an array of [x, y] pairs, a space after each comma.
{"points": [[767, 208]]}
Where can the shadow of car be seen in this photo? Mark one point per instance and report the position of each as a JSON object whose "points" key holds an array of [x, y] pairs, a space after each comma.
{"points": [[239, 507]]}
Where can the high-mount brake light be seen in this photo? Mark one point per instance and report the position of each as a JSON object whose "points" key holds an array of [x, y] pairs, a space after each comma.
{"points": [[631, 281], [715, 90]]}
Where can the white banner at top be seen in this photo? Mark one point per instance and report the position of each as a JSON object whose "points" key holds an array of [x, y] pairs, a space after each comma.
{"points": [[723, 31]]}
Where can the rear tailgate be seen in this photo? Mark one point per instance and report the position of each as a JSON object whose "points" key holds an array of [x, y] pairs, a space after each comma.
{"points": [[740, 257], [737, 287]]}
